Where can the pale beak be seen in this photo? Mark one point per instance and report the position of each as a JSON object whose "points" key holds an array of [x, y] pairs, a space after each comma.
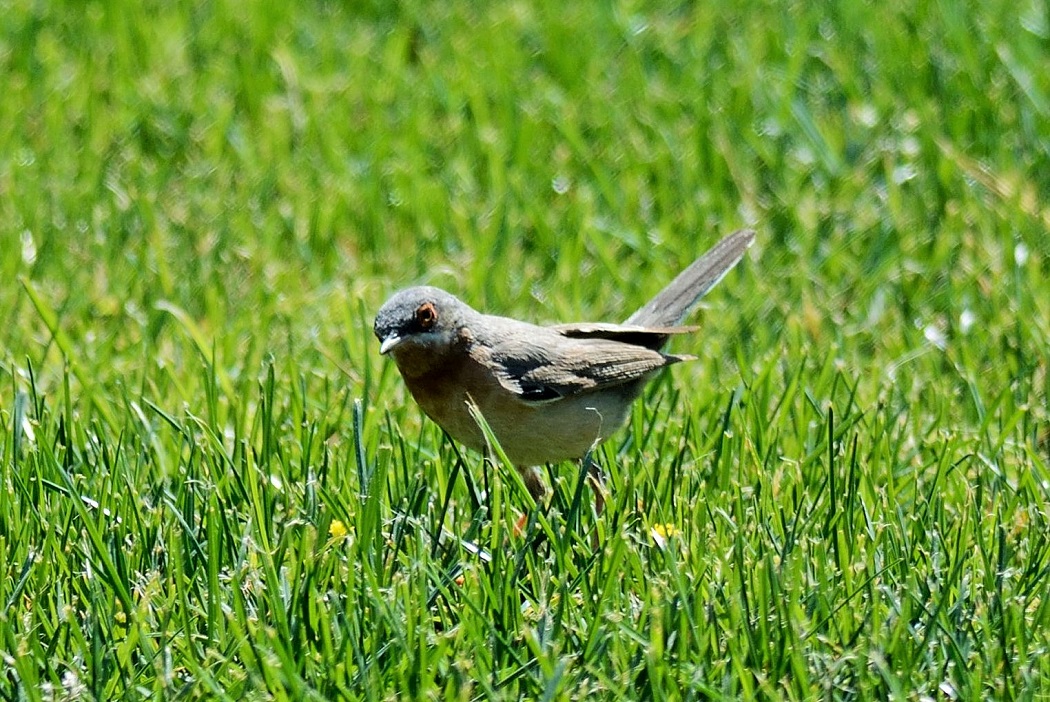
{"points": [[389, 343]]}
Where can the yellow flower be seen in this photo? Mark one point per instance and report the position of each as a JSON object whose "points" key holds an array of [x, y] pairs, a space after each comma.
{"points": [[662, 533], [337, 530]]}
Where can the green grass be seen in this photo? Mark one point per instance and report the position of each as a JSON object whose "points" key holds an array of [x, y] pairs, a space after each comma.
{"points": [[213, 486]]}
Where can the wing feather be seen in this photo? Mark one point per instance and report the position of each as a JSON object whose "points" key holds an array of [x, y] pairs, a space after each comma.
{"points": [[649, 337], [578, 366]]}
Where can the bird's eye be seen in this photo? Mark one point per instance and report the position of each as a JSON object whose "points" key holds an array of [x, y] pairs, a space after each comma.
{"points": [[426, 315]]}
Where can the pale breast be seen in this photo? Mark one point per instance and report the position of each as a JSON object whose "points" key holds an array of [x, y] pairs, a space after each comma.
{"points": [[529, 433]]}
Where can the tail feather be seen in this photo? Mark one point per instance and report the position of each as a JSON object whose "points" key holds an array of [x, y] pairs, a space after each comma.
{"points": [[673, 303]]}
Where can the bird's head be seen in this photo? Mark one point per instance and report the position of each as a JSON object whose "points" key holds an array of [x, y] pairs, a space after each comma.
{"points": [[421, 321]]}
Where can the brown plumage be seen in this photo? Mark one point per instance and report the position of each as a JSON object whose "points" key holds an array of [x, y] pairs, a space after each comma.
{"points": [[549, 393]]}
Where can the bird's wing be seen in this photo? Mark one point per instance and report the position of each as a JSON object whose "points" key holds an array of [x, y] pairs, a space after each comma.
{"points": [[543, 373], [649, 337]]}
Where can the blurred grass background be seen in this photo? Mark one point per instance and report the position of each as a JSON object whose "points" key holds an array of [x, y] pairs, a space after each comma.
{"points": [[203, 204]]}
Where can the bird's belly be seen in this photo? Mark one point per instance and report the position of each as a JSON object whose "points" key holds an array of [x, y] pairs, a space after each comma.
{"points": [[529, 433]]}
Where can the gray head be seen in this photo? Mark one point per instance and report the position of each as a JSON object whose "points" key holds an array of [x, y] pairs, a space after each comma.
{"points": [[420, 318]]}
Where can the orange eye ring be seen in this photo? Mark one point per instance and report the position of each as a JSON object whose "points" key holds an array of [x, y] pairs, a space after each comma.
{"points": [[426, 315]]}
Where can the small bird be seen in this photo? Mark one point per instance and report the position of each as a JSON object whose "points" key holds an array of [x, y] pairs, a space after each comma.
{"points": [[548, 393]]}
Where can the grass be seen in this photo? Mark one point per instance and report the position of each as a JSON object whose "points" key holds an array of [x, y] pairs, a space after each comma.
{"points": [[213, 486]]}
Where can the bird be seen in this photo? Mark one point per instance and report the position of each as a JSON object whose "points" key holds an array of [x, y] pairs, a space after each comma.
{"points": [[548, 393]]}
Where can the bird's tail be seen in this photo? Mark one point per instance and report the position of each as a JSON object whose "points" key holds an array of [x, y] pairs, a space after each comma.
{"points": [[673, 303]]}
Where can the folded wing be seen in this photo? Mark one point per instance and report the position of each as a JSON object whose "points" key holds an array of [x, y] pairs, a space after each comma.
{"points": [[584, 360]]}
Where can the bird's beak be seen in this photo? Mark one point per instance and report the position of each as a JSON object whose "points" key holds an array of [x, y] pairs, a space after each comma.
{"points": [[389, 343]]}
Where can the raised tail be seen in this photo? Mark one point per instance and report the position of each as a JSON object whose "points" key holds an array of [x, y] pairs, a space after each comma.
{"points": [[673, 303]]}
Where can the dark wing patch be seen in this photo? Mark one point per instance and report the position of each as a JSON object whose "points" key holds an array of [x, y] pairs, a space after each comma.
{"points": [[534, 392], [647, 337]]}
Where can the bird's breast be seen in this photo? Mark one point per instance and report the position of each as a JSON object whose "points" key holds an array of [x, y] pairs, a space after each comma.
{"points": [[529, 433]]}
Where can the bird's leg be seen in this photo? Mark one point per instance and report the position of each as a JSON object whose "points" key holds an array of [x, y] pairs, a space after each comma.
{"points": [[597, 482], [531, 476]]}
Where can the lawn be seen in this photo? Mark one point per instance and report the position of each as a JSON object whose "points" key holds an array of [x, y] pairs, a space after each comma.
{"points": [[213, 486]]}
